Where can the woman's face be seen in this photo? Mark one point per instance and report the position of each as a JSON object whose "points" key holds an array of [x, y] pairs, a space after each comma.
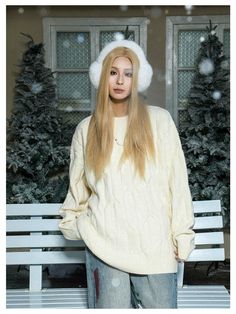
{"points": [[120, 79]]}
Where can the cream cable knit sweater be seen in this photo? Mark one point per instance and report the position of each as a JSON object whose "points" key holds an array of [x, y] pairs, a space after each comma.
{"points": [[130, 224]]}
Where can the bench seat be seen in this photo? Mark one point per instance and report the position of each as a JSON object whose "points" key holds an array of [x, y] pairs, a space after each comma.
{"points": [[189, 296], [48, 298]]}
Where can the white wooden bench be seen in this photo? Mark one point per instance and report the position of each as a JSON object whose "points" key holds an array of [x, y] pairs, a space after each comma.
{"points": [[27, 241]]}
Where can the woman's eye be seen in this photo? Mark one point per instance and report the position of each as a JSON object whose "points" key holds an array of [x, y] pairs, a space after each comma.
{"points": [[129, 74], [112, 72]]}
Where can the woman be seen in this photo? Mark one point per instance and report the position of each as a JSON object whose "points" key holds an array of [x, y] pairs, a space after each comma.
{"points": [[129, 199]]}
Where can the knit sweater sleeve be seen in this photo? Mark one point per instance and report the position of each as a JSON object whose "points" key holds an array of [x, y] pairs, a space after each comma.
{"points": [[181, 202], [78, 194]]}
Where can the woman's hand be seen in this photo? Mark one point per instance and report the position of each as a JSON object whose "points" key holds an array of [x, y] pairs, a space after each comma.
{"points": [[177, 257]]}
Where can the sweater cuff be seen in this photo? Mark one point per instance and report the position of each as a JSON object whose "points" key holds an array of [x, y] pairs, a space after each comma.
{"points": [[185, 246], [69, 229]]}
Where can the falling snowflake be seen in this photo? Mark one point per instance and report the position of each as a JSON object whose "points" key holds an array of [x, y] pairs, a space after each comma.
{"points": [[123, 8], [213, 32], [76, 94], [21, 10], [43, 11], [201, 158], [225, 64], [189, 18], [66, 44], [202, 39], [189, 8], [119, 36], [206, 67], [69, 109], [80, 38], [36, 88], [115, 282], [216, 95]]}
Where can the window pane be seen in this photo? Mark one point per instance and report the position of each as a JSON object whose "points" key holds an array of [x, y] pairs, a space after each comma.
{"points": [[73, 118], [108, 36], [188, 46], [184, 84], [73, 50], [226, 43], [73, 91]]}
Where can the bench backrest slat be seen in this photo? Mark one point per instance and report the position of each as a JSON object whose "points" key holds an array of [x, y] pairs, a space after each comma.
{"points": [[51, 257], [209, 238], [211, 222], [33, 209], [215, 254], [44, 241], [210, 206], [32, 225], [41, 241]]}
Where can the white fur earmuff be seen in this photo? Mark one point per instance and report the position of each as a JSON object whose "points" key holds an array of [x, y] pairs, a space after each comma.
{"points": [[145, 69]]}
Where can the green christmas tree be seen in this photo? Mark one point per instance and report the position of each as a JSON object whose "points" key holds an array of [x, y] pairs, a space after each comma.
{"points": [[205, 134], [37, 139]]}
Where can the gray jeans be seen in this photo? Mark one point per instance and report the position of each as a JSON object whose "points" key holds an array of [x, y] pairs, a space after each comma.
{"points": [[109, 287]]}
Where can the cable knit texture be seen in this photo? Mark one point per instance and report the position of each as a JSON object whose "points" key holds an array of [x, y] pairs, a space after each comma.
{"points": [[131, 224]]}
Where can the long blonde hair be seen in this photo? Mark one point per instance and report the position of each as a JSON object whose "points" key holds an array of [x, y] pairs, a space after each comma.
{"points": [[139, 138]]}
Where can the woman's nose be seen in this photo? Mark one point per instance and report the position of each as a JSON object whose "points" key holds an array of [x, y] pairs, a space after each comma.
{"points": [[120, 80]]}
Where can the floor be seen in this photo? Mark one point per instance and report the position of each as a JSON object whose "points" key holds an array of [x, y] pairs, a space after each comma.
{"points": [[73, 276]]}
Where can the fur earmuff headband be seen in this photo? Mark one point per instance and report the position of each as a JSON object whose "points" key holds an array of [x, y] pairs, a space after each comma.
{"points": [[145, 70]]}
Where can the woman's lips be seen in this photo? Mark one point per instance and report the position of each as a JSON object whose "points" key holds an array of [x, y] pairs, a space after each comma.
{"points": [[118, 91]]}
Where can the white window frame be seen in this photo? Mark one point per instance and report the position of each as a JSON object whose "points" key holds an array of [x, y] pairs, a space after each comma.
{"points": [[93, 25], [173, 25]]}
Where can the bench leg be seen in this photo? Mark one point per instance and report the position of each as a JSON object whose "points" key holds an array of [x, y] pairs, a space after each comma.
{"points": [[35, 277]]}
